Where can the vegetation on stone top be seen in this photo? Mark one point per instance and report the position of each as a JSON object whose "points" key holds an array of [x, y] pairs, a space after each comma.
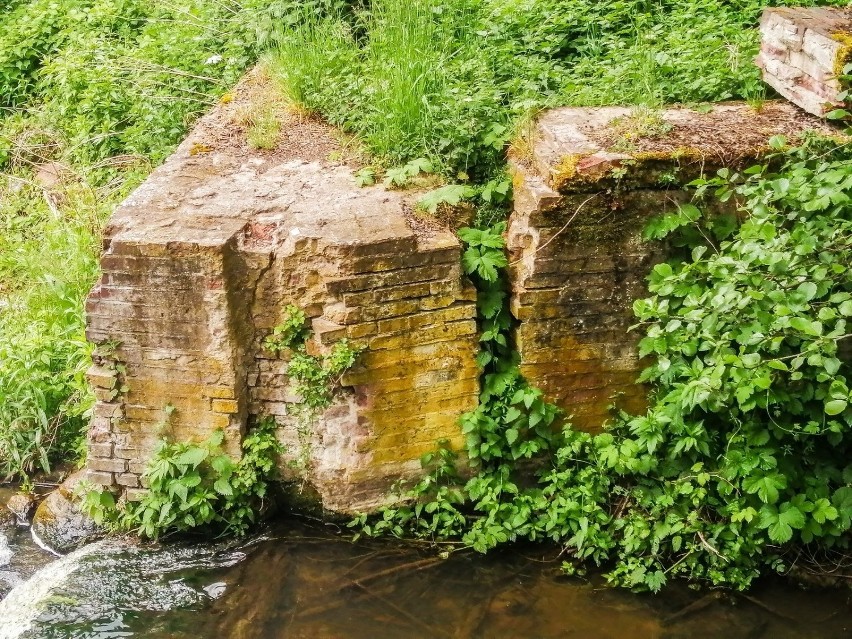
{"points": [[453, 81]]}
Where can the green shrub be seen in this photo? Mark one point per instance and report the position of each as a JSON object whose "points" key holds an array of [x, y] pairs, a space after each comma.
{"points": [[317, 377], [744, 452], [197, 486]]}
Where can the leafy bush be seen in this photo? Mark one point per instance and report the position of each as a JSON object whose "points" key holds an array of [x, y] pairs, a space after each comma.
{"points": [[744, 451], [193, 486], [47, 264]]}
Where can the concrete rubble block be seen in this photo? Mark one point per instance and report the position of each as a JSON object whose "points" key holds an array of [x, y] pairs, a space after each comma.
{"points": [[587, 185], [803, 52], [199, 265]]}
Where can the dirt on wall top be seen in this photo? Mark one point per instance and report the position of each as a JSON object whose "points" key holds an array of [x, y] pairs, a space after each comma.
{"points": [[256, 162], [575, 148]]}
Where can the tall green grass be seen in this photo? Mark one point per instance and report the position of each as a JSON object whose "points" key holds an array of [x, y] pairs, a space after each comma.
{"points": [[82, 81], [383, 73], [47, 264], [450, 79]]}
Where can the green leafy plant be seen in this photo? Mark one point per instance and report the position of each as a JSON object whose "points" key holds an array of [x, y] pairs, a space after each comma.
{"points": [[196, 486], [365, 176], [47, 265], [743, 455], [317, 376], [845, 79], [449, 195], [400, 175]]}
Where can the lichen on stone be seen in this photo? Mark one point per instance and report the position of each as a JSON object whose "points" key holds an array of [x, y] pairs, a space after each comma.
{"points": [[844, 55]]}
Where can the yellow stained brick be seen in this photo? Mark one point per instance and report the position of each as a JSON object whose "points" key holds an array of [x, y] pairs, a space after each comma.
{"points": [[414, 451], [217, 420], [219, 392], [224, 405], [361, 330], [442, 332], [447, 391]]}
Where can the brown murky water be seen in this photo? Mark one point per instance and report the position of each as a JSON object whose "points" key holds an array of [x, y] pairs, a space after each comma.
{"points": [[303, 583], [303, 579]]}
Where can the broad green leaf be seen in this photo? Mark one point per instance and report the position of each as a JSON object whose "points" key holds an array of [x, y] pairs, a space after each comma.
{"points": [[824, 511], [223, 487], [791, 516], [766, 487], [192, 456], [835, 406]]}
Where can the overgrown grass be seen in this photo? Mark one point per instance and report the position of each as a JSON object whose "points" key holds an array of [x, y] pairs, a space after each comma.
{"points": [[399, 75], [104, 89], [47, 264], [449, 80]]}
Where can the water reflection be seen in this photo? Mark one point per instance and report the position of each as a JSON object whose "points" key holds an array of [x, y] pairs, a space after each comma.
{"points": [[304, 583], [303, 580]]}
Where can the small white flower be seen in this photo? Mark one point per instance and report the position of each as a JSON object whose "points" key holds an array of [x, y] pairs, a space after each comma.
{"points": [[214, 59]]}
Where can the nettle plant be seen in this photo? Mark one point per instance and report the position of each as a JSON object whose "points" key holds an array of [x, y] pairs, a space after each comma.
{"points": [[196, 486], [742, 460]]}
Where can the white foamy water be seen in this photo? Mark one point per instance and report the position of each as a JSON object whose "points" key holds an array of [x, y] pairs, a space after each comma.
{"points": [[5, 550], [22, 606]]}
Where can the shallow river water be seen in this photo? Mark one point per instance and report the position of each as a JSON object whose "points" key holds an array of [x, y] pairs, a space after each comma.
{"points": [[302, 579]]}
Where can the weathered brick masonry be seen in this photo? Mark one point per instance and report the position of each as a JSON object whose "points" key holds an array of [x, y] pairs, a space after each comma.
{"points": [[201, 260], [803, 52], [199, 264], [583, 194]]}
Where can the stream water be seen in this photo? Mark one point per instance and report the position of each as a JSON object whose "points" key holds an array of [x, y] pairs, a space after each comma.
{"points": [[303, 579]]}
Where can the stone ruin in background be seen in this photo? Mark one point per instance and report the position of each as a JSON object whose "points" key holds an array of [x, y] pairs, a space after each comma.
{"points": [[200, 262], [803, 53]]}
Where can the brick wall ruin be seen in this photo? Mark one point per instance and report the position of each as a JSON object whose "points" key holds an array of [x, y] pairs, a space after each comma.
{"points": [[199, 264], [803, 52], [588, 183]]}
